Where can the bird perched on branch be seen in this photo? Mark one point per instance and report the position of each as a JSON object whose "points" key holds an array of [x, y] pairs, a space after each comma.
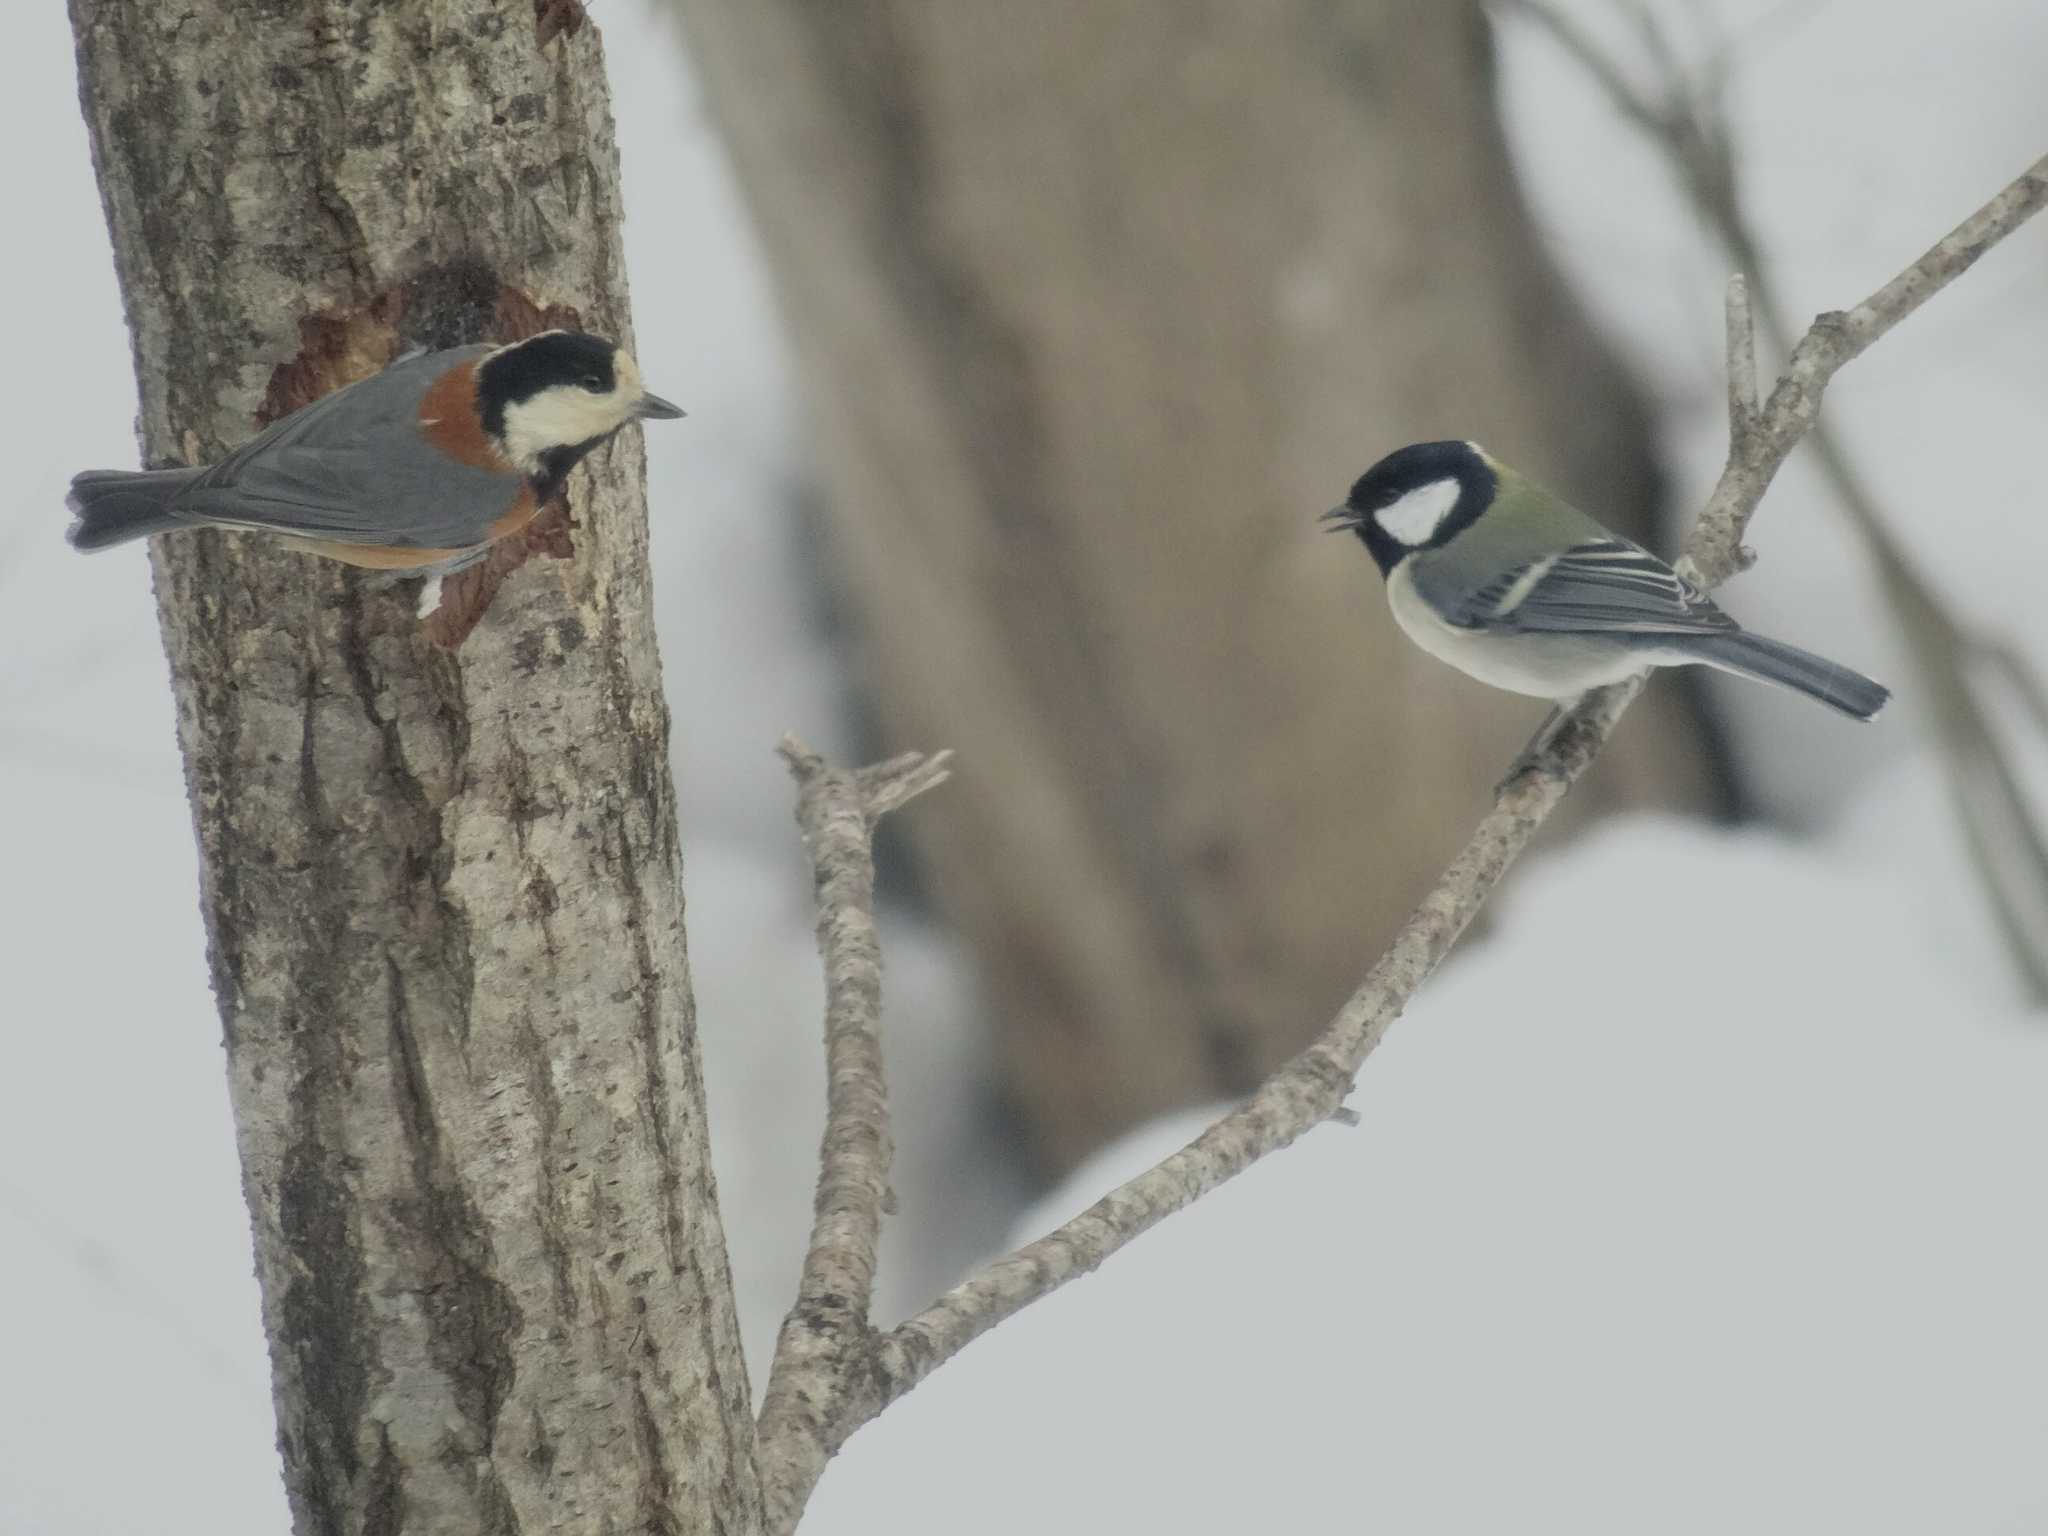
{"points": [[419, 468], [1514, 586]]}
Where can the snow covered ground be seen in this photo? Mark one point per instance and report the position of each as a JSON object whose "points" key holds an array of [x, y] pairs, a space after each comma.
{"points": [[1756, 1249], [1746, 1247]]}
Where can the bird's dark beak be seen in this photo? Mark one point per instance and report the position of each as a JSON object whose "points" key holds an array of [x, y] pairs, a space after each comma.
{"points": [[654, 408], [1339, 519]]}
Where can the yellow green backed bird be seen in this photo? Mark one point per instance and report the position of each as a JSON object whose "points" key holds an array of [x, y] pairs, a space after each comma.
{"points": [[1515, 586]]}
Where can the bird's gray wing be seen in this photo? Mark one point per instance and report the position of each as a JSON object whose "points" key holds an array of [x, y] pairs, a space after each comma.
{"points": [[405, 495], [353, 466], [1603, 585], [345, 416]]}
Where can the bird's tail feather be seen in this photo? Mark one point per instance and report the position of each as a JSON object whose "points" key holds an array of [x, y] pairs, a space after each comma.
{"points": [[1773, 661], [112, 506]]}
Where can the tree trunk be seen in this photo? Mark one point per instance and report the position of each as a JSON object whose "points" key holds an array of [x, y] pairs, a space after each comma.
{"points": [[1099, 306], [442, 891]]}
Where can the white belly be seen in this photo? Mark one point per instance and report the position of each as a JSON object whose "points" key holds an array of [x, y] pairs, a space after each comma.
{"points": [[1543, 666]]}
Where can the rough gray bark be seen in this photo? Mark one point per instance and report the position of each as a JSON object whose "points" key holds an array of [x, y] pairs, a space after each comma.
{"points": [[442, 891], [1098, 307]]}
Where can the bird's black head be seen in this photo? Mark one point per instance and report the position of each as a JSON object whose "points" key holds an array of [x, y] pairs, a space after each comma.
{"points": [[1417, 497], [548, 400], [523, 371]]}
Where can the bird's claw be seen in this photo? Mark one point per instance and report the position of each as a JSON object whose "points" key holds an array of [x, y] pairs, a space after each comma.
{"points": [[1535, 757]]}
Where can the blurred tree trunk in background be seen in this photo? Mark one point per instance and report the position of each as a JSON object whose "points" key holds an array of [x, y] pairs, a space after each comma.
{"points": [[1097, 306], [442, 892]]}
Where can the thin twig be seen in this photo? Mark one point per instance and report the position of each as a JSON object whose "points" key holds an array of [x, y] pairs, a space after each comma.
{"points": [[1311, 1088], [1745, 414], [827, 1332], [1743, 402]]}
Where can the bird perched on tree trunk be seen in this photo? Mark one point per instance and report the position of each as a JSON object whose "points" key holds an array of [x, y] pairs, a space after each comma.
{"points": [[419, 468]]}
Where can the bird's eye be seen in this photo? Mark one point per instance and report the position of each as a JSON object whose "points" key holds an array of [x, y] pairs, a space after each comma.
{"points": [[593, 383]]}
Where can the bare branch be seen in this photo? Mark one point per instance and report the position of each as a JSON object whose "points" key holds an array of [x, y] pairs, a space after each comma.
{"points": [[827, 1331], [1838, 337], [1311, 1088], [1687, 122], [1951, 257], [1834, 339]]}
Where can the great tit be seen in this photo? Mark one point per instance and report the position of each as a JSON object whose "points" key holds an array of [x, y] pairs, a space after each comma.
{"points": [[1515, 586]]}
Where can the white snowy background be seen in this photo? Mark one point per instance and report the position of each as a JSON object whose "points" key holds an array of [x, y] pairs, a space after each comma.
{"points": [[1748, 1236]]}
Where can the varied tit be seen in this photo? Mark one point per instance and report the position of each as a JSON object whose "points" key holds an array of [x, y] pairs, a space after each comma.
{"points": [[418, 468], [1510, 584]]}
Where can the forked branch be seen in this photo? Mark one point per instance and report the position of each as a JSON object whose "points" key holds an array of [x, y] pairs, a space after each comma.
{"points": [[827, 1336], [847, 1381], [1681, 112]]}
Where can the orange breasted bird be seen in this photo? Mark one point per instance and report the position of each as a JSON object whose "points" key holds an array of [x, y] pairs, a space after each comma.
{"points": [[418, 469]]}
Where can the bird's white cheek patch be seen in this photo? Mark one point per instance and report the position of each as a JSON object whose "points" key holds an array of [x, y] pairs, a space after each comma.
{"points": [[1415, 516]]}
